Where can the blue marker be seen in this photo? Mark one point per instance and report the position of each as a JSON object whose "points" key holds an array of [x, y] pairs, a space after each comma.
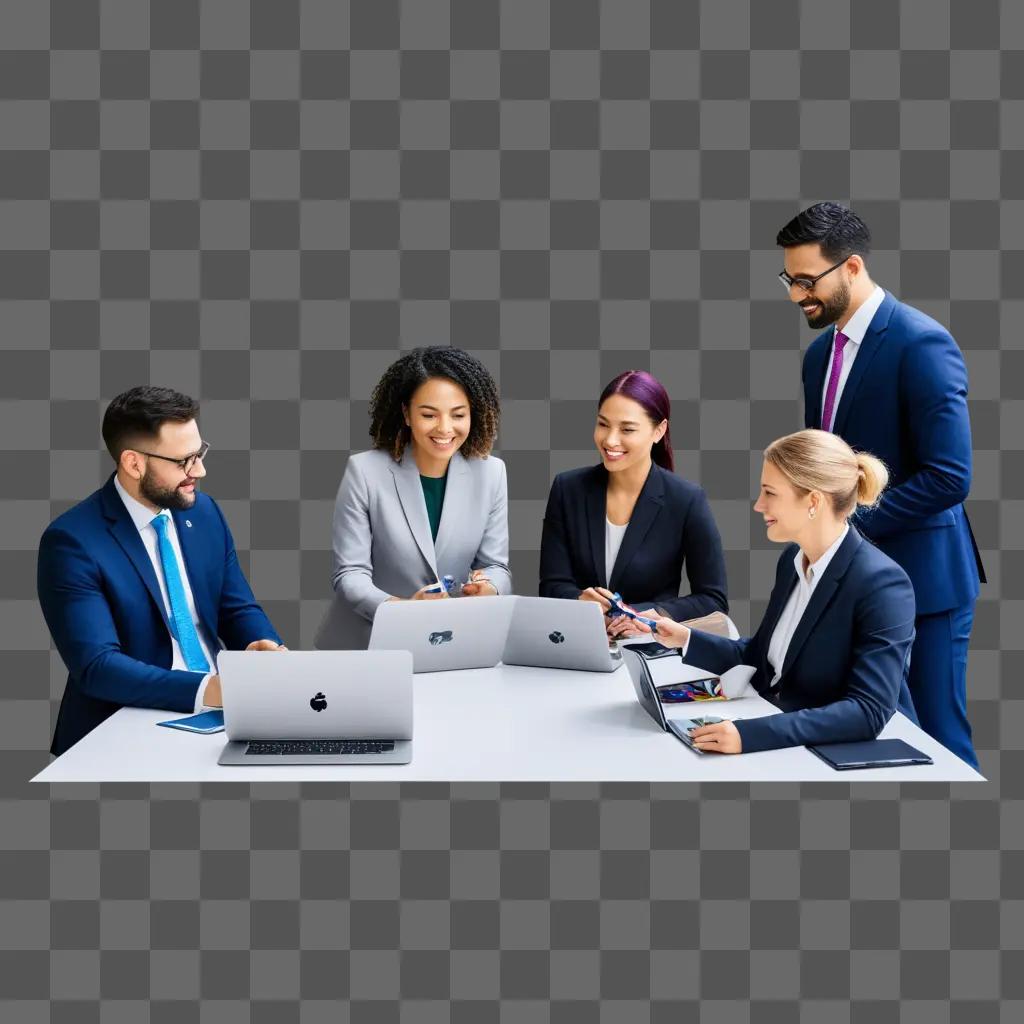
{"points": [[617, 609]]}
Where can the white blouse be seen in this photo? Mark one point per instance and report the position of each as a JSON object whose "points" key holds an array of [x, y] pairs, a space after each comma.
{"points": [[612, 542]]}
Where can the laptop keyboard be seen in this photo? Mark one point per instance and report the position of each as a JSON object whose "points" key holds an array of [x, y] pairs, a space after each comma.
{"points": [[292, 747]]}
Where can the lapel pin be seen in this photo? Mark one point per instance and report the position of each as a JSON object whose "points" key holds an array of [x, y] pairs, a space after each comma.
{"points": [[188, 523]]}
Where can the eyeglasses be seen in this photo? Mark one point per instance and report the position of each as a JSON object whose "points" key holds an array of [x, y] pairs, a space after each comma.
{"points": [[807, 283], [186, 464]]}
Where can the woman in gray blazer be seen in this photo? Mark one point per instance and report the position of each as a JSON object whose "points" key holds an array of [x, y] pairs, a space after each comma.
{"points": [[429, 500]]}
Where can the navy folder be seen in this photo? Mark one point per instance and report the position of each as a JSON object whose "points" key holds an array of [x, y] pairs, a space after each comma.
{"points": [[870, 754]]}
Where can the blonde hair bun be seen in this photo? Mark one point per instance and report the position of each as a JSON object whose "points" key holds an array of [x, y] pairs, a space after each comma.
{"points": [[817, 460], [872, 477]]}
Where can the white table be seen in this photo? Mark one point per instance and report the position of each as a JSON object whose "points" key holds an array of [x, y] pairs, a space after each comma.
{"points": [[499, 724]]}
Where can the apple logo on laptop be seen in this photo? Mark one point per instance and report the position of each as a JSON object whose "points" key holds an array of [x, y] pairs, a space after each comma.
{"points": [[319, 702], [443, 636], [556, 637]]}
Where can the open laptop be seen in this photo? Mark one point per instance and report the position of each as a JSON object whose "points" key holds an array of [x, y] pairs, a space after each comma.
{"points": [[446, 634], [551, 632], [316, 707], [646, 692]]}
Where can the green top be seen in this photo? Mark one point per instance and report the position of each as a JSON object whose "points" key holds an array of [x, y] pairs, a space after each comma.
{"points": [[433, 495]]}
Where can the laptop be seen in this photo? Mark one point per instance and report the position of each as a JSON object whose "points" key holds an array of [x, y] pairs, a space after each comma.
{"points": [[316, 707], [446, 634], [551, 632], [647, 693]]}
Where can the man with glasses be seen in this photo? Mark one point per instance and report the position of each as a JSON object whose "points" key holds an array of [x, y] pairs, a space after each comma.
{"points": [[891, 381], [139, 583]]}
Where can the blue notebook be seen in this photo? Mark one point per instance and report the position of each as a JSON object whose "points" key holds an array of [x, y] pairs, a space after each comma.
{"points": [[869, 754]]}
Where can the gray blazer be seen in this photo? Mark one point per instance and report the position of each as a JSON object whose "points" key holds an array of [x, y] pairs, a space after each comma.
{"points": [[382, 543]]}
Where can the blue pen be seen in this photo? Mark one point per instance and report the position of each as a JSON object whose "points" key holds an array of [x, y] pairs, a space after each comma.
{"points": [[617, 609]]}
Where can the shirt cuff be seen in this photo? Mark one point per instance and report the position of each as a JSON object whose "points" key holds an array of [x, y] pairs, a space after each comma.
{"points": [[201, 693], [686, 646]]}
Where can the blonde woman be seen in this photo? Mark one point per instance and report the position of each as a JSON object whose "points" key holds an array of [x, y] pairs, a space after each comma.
{"points": [[833, 648]]}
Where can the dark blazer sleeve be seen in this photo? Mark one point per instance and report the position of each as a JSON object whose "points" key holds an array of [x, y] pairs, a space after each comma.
{"points": [[76, 611], [240, 619], [934, 386], [882, 637], [704, 564], [720, 653], [556, 578]]}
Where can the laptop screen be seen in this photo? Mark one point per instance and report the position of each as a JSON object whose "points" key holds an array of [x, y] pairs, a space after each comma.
{"points": [[644, 685]]}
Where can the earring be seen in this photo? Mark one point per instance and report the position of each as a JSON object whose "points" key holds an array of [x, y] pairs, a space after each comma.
{"points": [[811, 513]]}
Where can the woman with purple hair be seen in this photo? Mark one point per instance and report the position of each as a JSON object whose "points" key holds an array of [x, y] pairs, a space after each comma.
{"points": [[630, 525]]}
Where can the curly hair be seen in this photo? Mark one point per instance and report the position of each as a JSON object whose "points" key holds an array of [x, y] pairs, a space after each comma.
{"points": [[395, 389]]}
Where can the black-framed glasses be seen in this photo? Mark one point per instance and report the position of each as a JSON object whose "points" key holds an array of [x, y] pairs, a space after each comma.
{"points": [[807, 283], [186, 464]]}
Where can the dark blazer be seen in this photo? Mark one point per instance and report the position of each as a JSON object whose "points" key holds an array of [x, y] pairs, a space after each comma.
{"points": [[102, 603], [846, 666], [906, 402], [671, 528]]}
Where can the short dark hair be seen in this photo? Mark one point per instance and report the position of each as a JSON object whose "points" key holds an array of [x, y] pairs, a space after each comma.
{"points": [[401, 379], [838, 230], [139, 413]]}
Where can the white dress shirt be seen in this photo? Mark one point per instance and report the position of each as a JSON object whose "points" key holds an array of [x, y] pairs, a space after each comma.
{"points": [[855, 330], [143, 518], [612, 542], [797, 604]]}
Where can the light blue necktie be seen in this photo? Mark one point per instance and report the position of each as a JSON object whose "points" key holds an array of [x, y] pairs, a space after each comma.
{"points": [[188, 638]]}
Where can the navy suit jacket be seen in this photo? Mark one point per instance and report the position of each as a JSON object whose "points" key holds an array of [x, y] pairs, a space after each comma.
{"points": [[906, 402], [671, 527], [846, 666], [102, 603]]}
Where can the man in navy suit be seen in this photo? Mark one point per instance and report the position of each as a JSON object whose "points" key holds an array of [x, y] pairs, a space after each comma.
{"points": [[139, 583], [890, 380]]}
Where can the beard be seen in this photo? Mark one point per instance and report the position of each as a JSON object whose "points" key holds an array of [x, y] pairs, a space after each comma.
{"points": [[166, 497], [832, 308]]}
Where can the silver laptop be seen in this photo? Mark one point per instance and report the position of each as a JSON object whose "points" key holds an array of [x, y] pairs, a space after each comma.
{"points": [[451, 633], [316, 707], [552, 632]]}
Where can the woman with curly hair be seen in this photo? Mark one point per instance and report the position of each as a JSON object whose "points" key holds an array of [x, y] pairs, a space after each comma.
{"points": [[429, 500]]}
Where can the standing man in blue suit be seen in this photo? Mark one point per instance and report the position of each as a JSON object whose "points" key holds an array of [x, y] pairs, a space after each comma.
{"points": [[139, 583], [890, 380]]}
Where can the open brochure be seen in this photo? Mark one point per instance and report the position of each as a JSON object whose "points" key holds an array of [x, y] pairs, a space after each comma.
{"points": [[669, 670]]}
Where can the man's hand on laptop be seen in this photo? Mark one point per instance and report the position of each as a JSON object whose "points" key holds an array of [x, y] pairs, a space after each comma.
{"points": [[265, 645]]}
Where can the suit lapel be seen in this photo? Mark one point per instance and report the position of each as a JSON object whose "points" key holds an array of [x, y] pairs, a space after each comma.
{"points": [[458, 492], [194, 542], [821, 597], [648, 504], [777, 602], [868, 347], [410, 494], [816, 372], [122, 527], [595, 498]]}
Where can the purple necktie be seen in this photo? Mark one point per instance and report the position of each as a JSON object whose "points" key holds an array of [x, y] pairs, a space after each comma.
{"points": [[833, 380]]}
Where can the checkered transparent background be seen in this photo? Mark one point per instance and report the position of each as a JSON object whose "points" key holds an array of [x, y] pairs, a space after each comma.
{"points": [[262, 204]]}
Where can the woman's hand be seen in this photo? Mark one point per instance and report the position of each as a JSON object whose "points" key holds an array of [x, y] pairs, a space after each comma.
{"points": [[668, 632], [478, 585], [597, 594], [621, 626], [422, 595], [718, 738]]}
